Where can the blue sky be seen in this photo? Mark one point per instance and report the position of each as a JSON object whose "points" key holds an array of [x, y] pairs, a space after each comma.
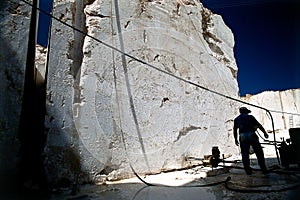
{"points": [[267, 41], [44, 21]]}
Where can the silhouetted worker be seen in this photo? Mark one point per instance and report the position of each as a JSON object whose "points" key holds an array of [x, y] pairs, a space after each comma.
{"points": [[247, 125]]}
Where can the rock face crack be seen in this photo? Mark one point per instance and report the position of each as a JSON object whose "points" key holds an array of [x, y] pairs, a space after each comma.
{"points": [[206, 22], [185, 130], [215, 43], [209, 37]]}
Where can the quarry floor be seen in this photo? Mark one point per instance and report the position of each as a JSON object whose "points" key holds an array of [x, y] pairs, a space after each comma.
{"points": [[192, 184], [227, 181]]}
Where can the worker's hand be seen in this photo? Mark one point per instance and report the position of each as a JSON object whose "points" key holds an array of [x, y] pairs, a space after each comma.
{"points": [[237, 143], [266, 136]]}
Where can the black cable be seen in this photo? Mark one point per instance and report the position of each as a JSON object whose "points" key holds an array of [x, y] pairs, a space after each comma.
{"points": [[275, 143], [125, 71], [260, 190], [236, 189], [209, 184], [185, 186]]}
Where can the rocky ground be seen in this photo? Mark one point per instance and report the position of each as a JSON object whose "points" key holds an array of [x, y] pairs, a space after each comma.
{"points": [[227, 181], [199, 183]]}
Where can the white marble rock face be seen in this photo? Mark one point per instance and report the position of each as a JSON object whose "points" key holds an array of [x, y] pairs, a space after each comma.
{"points": [[145, 115], [287, 103]]}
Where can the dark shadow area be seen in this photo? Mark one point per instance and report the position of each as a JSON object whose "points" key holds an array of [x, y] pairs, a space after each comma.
{"points": [[32, 134], [11, 86], [22, 136]]}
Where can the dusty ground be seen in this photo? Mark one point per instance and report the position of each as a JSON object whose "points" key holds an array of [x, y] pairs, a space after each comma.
{"points": [[191, 184], [197, 183]]}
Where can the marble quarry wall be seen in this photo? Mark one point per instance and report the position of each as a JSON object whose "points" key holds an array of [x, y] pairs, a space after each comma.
{"points": [[107, 111]]}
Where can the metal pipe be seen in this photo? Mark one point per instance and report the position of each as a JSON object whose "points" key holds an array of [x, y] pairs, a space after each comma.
{"points": [[275, 143]]}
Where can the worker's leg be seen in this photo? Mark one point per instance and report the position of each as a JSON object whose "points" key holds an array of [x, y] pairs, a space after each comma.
{"points": [[259, 153], [245, 146]]}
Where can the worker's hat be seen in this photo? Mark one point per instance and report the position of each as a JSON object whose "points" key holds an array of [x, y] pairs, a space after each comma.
{"points": [[244, 110]]}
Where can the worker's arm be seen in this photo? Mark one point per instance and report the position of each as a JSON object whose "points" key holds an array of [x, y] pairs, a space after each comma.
{"points": [[235, 134], [263, 130], [258, 125]]}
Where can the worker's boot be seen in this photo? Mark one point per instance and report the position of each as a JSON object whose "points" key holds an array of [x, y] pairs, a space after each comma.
{"points": [[264, 170], [248, 171]]}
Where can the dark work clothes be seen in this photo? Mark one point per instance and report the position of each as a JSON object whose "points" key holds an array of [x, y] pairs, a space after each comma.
{"points": [[247, 139], [246, 126], [246, 123]]}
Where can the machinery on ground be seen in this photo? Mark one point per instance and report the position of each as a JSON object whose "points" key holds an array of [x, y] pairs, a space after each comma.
{"points": [[289, 149]]}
